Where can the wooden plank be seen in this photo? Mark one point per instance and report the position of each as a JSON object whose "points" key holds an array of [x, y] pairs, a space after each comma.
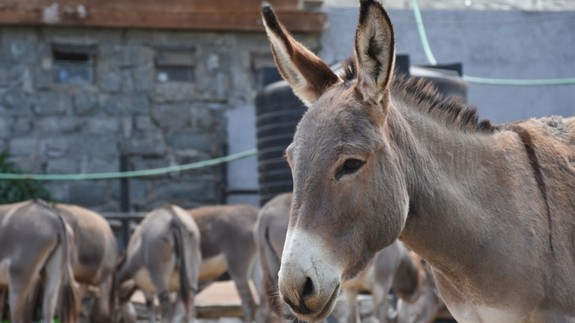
{"points": [[189, 5], [168, 18]]}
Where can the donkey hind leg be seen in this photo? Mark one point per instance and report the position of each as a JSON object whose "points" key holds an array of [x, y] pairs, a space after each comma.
{"points": [[21, 281], [150, 307], [125, 287], [52, 284], [351, 310], [240, 275], [160, 277], [184, 313], [383, 308], [103, 306], [2, 301], [17, 298], [127, 314]]}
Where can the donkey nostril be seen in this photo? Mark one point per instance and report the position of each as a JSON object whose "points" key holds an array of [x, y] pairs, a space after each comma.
{"points": [[308, 288]]}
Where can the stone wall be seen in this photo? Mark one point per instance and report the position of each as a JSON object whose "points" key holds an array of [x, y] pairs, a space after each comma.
{"points": [[55, 128]]}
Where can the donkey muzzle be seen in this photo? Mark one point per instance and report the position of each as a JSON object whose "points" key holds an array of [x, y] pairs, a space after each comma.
{"points": [[309, 296], [308, 282]]}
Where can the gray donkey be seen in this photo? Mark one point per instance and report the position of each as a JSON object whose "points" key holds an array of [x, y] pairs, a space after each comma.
{"points": [[36, 245], [228, 246], [95, 258], [163, 256]]}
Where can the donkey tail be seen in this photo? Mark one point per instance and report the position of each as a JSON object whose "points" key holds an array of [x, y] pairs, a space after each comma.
{"points": [[69, 299], [181, 254], [113, 300]]}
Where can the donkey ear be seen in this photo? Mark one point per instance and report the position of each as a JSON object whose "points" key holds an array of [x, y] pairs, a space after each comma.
{"points": [[374, 50], [306, 73]]}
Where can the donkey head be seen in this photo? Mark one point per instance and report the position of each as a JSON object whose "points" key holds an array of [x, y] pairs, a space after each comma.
{"points": [[350, 198]]}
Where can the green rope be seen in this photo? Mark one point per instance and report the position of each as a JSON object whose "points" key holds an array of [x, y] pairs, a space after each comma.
{"points": [[136, 173], [423, 34], [478, 79], [510, 82]]}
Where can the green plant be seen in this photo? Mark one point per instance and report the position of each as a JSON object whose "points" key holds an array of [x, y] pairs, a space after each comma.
{"points": [[18, 190]]}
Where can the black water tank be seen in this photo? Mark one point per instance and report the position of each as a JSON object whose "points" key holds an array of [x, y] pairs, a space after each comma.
{"points": [[278, 111], [447, 78]]}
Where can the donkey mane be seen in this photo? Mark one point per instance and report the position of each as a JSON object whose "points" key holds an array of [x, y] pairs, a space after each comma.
{"points": [[415, 91]]}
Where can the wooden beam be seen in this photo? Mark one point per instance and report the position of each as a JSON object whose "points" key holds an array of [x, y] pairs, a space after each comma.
{"points": [[295, 21]]}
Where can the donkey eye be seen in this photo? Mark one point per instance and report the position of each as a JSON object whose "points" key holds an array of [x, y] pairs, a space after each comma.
{"points": [[350, 166]]}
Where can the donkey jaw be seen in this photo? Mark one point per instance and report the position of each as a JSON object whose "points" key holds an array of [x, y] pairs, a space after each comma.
{"points": [[308, 282]]}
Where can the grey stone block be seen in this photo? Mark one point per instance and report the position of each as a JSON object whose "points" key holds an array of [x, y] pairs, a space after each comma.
{"points": [[108, 126], [57, 124], [52, 103], [91, 145], [22, 125], [110, 81], [148, 162], [139, 189], [59, 191], [185, 194], [179, 92], [86, 103], [14, 98], [143, 77], [205, 118], [136, 55], [103, 165], [145, 123], [125, 104], [171, 116], [57, 147], [43, 78], [146, 144], [5, 127], [25, 146], [62, 166], [193, 139], [89, 193], [20, 44]]}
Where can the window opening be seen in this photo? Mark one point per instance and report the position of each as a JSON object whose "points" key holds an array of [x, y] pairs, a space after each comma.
{"points": [[175, 66], [73, 64]]}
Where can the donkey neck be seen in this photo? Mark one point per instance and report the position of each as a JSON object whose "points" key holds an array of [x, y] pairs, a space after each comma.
{"points": [[456, 215]]}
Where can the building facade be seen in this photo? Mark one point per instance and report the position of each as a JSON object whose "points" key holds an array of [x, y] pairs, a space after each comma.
{"points": [[78, 93]]}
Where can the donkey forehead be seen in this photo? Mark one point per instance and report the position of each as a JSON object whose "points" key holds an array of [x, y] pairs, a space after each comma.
{"points": [[336, 125]]}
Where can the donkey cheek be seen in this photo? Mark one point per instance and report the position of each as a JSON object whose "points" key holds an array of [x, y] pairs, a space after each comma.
{"points": [[387, 230]]}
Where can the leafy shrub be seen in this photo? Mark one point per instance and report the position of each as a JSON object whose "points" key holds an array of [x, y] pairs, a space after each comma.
{"points": [[18, 190]]}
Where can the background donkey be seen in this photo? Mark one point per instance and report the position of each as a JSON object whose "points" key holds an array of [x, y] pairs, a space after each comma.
{"points": [[376, 158], [392, 267], [270, 231], [95, 260], [228, 245], [426, 307], [36, 242], [163, 256]]}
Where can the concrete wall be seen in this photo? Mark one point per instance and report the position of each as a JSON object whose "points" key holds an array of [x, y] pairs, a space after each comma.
{"points": [[496, 44]]}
